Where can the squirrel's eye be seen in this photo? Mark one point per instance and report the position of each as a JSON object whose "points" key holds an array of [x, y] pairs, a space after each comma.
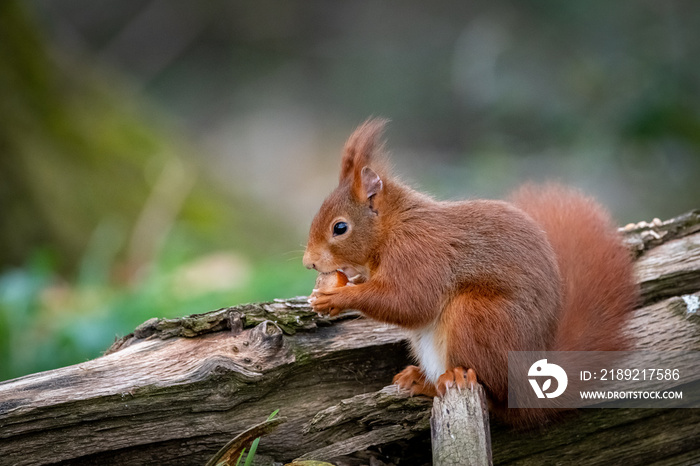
{"points": [[340, 228]]}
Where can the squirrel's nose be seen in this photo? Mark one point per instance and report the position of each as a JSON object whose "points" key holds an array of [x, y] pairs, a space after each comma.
{"points": [[308, 262]]}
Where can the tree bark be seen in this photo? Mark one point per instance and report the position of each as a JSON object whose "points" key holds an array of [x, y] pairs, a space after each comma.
{"points": [[176, 390], [459, 427]]}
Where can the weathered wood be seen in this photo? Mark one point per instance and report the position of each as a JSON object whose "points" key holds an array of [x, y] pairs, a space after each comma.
{"points": [[668, 325], [181, 399], [643, 236], [390, 415], [460, 431], [234, 449], [177, 390]]}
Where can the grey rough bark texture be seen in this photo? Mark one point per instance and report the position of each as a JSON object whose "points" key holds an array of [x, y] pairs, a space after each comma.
{"points": [[177, 390], [459, 427]]}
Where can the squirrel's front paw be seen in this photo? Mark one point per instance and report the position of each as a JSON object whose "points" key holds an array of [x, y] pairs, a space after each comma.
{"points": [[323, 302], [327, 286]]}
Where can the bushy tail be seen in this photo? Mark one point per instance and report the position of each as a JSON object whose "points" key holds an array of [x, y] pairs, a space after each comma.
{"points": [[599, 289]]}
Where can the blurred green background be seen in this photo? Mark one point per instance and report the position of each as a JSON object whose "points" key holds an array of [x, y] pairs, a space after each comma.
{"points": [[165, 157]]}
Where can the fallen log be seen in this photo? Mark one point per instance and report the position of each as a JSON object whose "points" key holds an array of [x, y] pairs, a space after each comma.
{"points": [[176, 390]]}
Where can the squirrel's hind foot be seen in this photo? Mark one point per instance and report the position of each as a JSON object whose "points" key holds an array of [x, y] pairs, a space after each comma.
{"points": [[413, 380], [458, 377]]}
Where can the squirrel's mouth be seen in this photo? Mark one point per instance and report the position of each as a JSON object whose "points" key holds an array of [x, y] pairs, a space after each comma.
{"points": [[352, 273], [354, 276]]}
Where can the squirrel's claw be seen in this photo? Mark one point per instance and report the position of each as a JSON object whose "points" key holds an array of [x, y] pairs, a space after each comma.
{"points": [[413, 380], [458, 377]]}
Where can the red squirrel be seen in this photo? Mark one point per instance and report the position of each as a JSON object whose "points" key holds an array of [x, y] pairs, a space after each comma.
{"points": [[469, 280]]}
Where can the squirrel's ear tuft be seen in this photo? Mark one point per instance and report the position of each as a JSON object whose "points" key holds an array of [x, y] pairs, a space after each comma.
{"points": [[359, 150]]}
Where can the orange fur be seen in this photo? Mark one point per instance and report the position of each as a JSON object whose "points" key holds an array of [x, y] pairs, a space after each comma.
{"points": [[475, 279], [599, 288]]}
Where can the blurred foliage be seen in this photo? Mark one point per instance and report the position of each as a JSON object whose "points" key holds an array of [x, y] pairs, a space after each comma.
{"points": [[47, 322], [162, 157], [483, 95], [78, 150], [101, 208]]}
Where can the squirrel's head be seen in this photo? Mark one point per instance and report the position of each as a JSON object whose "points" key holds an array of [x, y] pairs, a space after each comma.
{"points": [[345, 232]]}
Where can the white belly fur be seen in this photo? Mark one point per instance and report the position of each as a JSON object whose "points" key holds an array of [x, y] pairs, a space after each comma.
{"points": [[430, 352]]}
